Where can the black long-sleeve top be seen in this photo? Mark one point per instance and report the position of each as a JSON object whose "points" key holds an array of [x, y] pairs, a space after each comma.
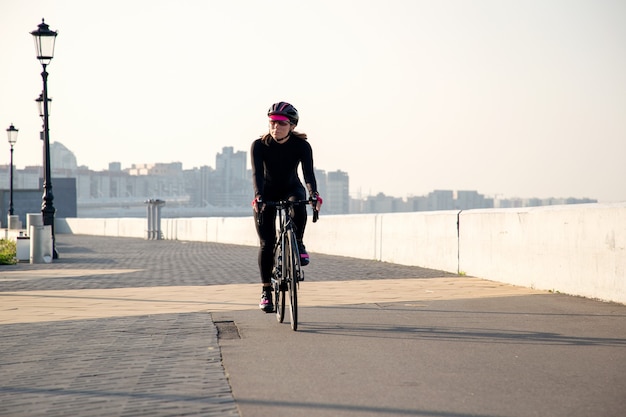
{"points": [[275, 167]]}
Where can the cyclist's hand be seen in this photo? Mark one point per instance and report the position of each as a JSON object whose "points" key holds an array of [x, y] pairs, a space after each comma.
{"points": [[258, 205], [317, 202]]}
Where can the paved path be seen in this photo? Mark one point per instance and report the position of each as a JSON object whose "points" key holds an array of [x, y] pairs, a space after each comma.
{"points": [[125, 327]]}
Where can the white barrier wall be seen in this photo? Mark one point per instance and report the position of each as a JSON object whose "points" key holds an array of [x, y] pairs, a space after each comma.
{"points": [[122, 227], [354, 235], [427, 239], [230, 230], [574, 249]]}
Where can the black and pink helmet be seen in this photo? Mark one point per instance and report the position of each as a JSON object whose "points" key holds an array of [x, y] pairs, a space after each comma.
{"points": [[283, 111]]}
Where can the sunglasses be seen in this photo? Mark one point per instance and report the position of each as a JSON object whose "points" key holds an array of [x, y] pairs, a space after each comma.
{"points": [[280, 122]]}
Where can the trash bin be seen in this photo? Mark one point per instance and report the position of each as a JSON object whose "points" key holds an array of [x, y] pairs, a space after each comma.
{"points": [[40, 244], [22, 248]]}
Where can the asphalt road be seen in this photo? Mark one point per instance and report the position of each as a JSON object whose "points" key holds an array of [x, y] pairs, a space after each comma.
{"points": [[528, 355]]}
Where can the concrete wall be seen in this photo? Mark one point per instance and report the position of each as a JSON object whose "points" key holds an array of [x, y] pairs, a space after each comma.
{"points": [[577, 249], [573, 249]]}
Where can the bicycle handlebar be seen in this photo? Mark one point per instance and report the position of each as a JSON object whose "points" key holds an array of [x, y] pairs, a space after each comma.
{"points": [[289, 203]]}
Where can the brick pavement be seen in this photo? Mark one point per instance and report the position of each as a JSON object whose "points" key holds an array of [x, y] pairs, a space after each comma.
{"points": [[159, 361], [163, 365], [175, 263]]}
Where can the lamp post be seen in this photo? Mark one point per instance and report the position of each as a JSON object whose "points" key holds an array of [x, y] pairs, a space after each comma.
{"points": [[12, 134], [44, 45]]}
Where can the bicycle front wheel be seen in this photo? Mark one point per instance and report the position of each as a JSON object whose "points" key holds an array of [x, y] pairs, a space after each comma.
{"points": [[293, 267], [279, 287]]}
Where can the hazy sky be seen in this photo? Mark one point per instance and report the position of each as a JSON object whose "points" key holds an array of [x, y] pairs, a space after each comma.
{"points": [[510, 98]]}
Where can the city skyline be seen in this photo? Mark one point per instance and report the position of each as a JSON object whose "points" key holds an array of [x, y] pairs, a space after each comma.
{"points": [[60, 152], [510, 98]]}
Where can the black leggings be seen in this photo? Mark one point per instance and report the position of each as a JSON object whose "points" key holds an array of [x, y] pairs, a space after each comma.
{"points": [[267, 235]]}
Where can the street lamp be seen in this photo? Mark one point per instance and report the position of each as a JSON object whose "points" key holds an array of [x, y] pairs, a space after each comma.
{"points": [[12, 134], [44, 45]]}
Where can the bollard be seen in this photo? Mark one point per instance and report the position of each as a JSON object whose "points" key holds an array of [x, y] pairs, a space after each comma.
{"points": [[154, 219], [14, 222], [158, 205], [149, 216], [33, 219], [40, 244]]}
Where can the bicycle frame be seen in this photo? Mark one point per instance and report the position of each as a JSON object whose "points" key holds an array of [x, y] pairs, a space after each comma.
{"points": [[287, 271]]}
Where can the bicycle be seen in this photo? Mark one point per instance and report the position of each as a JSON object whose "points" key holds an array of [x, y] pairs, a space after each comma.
{"points": [[287, 271]]}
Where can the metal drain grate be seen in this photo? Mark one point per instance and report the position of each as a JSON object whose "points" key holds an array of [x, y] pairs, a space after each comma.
{"points": [[227, 330]]}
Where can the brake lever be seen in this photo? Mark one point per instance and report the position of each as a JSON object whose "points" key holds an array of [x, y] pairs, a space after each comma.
{"points": [[316, 213]]}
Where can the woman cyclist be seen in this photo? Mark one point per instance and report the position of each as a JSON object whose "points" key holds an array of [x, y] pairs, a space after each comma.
{"points": [[275, 159]]}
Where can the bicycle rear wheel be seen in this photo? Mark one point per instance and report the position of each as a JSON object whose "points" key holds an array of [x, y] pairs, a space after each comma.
{"points": [[293, 266]]}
